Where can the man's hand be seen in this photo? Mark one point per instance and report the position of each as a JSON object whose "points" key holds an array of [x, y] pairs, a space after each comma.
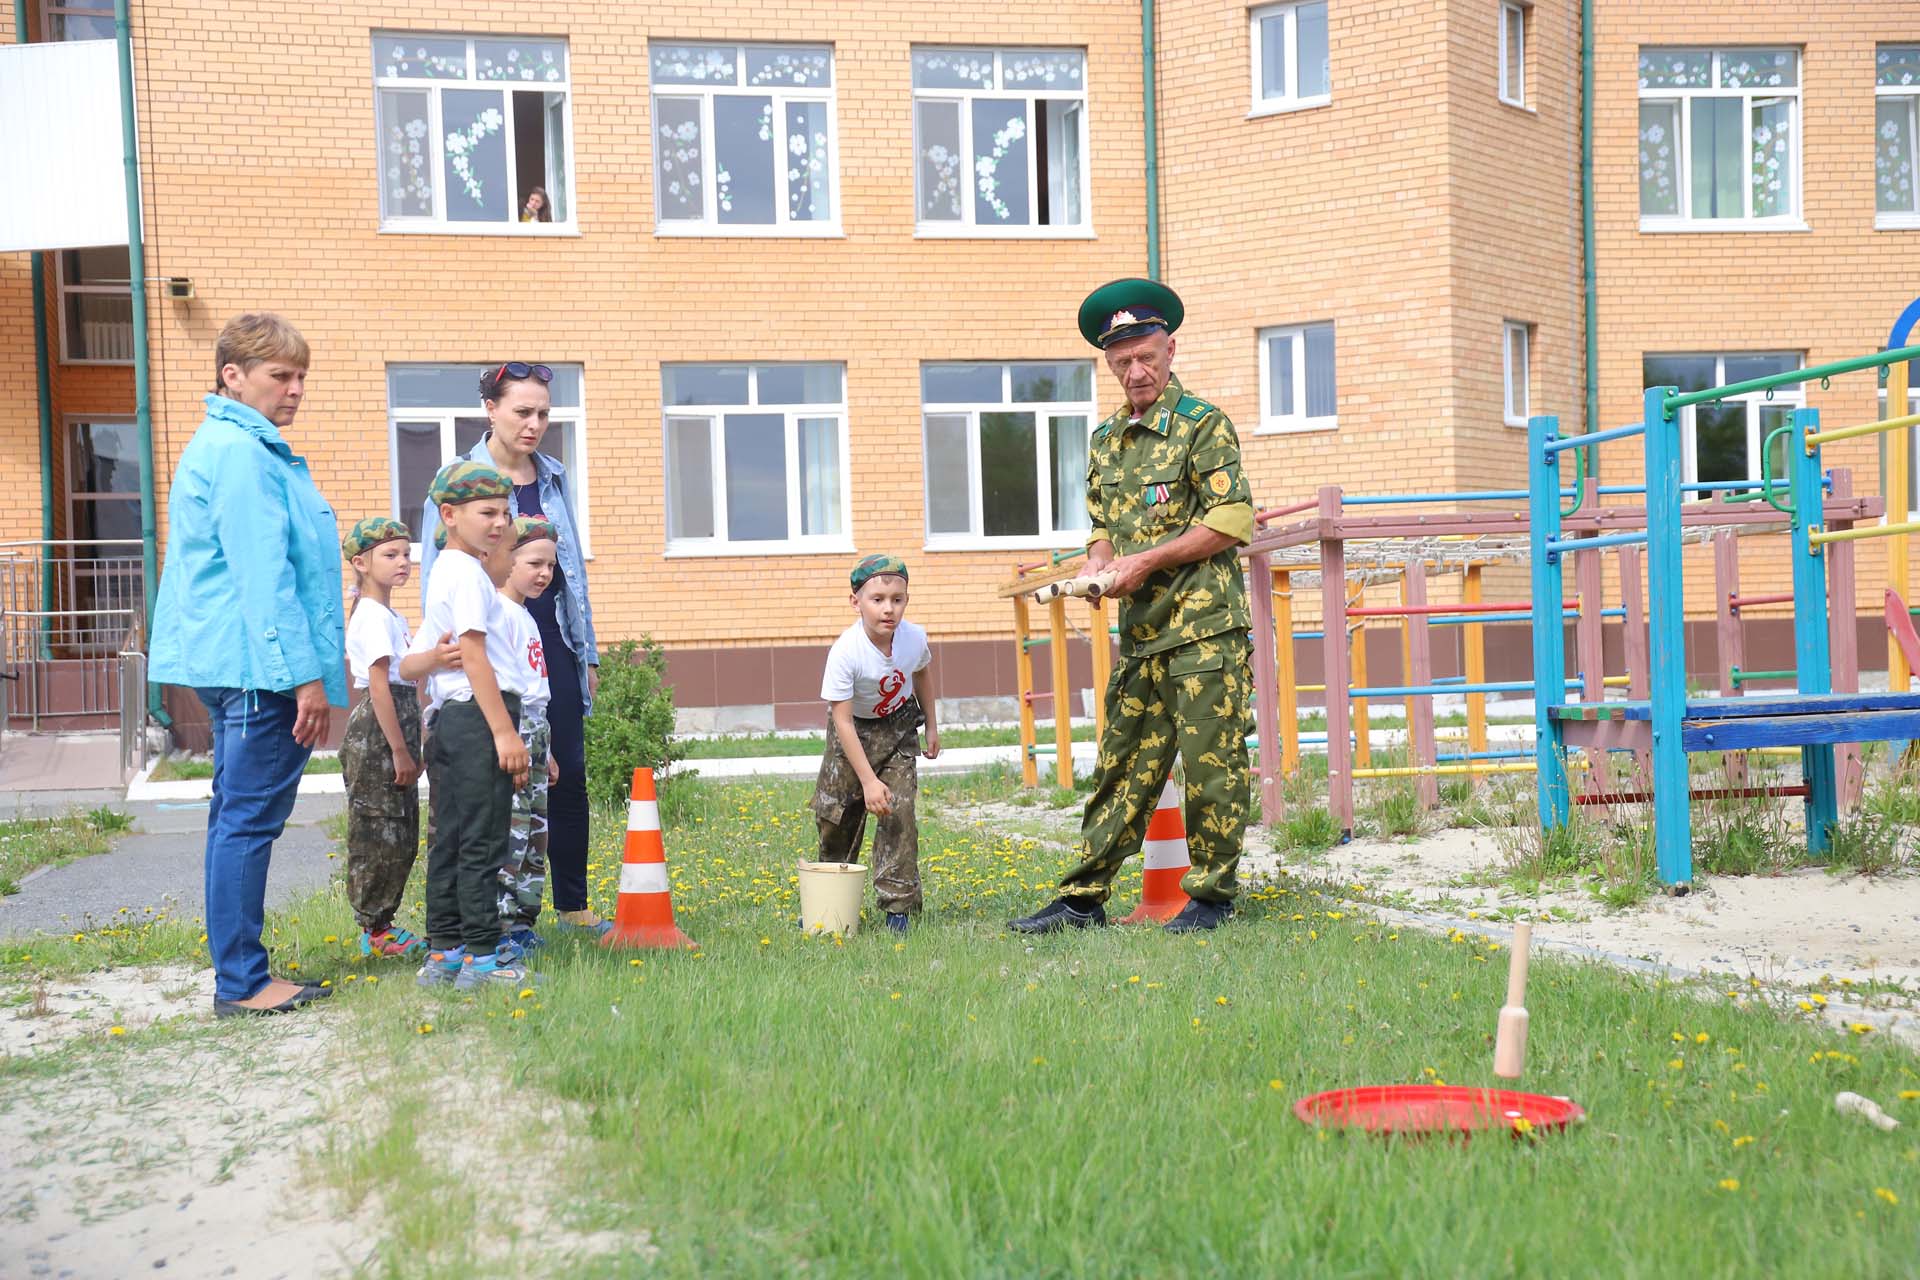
{"points": [[511, 752], [553, 772], [1130, 573], [310, 713], [933, 744], [406, 771], [1099, 556], [879, 799], [446, 654], [593, 681]]}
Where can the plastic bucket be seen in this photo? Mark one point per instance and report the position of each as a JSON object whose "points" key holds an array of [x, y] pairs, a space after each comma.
{"points": [[830, 894]]}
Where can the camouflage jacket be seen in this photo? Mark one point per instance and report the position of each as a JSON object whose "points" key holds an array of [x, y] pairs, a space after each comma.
{"points": [[1149, 480]]}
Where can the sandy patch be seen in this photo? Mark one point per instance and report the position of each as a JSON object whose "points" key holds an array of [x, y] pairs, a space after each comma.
{"points": [[43, 1016]]}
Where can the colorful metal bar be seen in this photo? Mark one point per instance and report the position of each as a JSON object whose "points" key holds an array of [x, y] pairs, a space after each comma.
{"points": [[1710, 793], [1667, 640], [1820, 438], [1821, 537], [1434, 690], [1811, 653], [1549, 646], [1274, 513], [1444, 770], [1416, 659], [1452, 757], [1736, 677], [1333, 603], [1410, 611], [1672, 403], [1554, 446], [1749, 602], [1267, 683], [1561, 546]]}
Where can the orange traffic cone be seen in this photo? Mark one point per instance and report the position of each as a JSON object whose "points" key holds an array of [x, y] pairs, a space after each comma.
{"points": [[644, 915], [1161, 896]]}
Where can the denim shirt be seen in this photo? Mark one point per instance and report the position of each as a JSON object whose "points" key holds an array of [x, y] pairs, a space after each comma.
{"points": [[575, 610], [249, 597]]}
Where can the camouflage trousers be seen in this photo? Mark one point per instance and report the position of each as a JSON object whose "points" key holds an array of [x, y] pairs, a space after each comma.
{"points": [[524, 875], [383, 821], [891, 744], [1191, 700]]}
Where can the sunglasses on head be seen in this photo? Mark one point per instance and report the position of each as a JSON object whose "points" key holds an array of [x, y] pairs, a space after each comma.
{"points": [[515, 369]]}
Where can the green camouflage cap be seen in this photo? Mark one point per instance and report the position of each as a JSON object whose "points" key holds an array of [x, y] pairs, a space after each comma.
{"points": [[467, 481], [370, 533], [874, 567], [440, 538], [532, 529]]}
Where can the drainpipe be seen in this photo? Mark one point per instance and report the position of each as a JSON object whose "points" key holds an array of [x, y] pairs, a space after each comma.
{"points": [[1586, 214], [142, 373], [43, 388], [1152, 140]]}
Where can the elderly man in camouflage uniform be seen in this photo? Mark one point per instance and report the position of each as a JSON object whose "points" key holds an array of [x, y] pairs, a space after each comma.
{"points": [[1170, 506]]}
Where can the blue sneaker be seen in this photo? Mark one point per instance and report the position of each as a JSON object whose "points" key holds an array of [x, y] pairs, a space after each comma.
{"points": [[494, 969], [442, 968], [526, 939], [897, 921]]}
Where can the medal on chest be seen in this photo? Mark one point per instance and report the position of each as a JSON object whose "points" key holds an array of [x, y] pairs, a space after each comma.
{"points": [[1156, 497]]}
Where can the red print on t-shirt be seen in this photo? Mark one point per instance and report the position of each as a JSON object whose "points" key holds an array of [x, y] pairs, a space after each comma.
{"points": [[893, 687], [536, 658]]}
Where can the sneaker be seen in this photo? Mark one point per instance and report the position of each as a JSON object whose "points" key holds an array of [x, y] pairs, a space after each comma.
{"points": [[587, 922], [441, 968], [1198, 915], [510, 952], [1061, 914], [897, 921], [526, 939], [493, 969], [390, 942]]}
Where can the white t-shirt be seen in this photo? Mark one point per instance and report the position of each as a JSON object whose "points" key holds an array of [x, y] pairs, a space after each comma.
{"points": [[528, 676], [878, 684], [461, 598], [375, 632]]}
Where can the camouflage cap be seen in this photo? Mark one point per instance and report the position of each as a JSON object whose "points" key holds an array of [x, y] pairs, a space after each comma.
{"points": [[464, 480], [370, 533], [532, 529], [874, 567], [440, 538]]}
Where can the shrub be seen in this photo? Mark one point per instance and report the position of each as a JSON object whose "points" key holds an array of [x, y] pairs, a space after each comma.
{"points": [[632, 722]]}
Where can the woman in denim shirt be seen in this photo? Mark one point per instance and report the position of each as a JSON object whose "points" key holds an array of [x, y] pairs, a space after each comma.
{"points": [[248, 616], [518, 405]]}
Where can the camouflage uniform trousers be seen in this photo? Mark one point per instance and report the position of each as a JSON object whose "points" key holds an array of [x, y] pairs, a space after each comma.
{"points": [[1193, 700], [891, 744], [383, 821], [524, 876]]}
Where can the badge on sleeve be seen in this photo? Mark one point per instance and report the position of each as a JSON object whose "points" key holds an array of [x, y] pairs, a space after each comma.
{"points": [[1220, 482]]}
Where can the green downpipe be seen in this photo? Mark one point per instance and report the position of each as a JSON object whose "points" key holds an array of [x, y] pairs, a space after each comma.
{"points": [[43, 389], [1590, 303], [142, 372], [1150, 97]]}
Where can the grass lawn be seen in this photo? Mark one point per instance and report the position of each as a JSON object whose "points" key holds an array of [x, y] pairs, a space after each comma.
{"points": [[27, 844], [964, 1103], [181, 769]]}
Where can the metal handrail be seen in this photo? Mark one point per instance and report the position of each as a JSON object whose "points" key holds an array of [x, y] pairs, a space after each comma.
{"points": [[1793, 377]]}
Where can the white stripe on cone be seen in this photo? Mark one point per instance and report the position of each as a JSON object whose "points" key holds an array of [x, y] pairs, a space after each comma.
{"points": [[643, 815], [643, 877], [1163, 854]]}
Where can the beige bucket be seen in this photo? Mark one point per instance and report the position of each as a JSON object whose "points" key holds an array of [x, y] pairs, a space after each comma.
{"points": [[830, 894]]}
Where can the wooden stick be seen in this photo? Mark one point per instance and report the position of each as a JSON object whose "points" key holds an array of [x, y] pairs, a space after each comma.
{"points": [[1510, 1040]]}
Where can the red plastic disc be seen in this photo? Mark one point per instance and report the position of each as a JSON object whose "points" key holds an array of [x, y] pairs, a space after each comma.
{"points": [[1436, 1108]]}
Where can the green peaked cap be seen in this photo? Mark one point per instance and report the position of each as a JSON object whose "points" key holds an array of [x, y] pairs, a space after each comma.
{"points": [[1124, 308]]}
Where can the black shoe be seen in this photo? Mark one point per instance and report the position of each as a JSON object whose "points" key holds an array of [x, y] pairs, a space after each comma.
{"points": [[1197, 915], [233, 1009], [1061, 914], [897, 921]]}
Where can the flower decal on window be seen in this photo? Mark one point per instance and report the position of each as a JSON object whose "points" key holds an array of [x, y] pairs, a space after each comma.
{"points": [[986, 166], [461, 144]]}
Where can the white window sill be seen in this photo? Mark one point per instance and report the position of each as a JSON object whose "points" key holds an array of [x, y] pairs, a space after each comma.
{"points": [[99, 364], [1518, 424], [810, 547], [1669, 226], [968, 542], [961, 231], [1520, 106], [1296, 426], [1287, 106], [534, 229], [1896, 222], [759, 231]]}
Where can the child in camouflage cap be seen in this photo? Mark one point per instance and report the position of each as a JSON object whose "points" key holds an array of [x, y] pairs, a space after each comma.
{"points": [[523, 566]]}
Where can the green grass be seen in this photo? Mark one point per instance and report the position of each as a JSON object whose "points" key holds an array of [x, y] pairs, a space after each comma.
{"points": [[736, 746], [28, 844], [182, 769]]}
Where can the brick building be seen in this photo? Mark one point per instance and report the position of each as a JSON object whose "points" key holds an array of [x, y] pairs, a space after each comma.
{"points": [[811, 272]]}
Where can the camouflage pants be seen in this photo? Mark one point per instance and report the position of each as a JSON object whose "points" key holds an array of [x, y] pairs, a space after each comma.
{"points": [[840, 806], [1192, 700], [383, 821], [524, 876]]}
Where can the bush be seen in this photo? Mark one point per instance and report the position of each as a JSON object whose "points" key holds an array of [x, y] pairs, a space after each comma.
{"points": [[632, 722]]}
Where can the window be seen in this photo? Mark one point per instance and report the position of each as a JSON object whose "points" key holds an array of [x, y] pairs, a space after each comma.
{"points": [[1290, 63], [1721, 441], [744, 140], [76, 21], [103, 505], [1719, 138], [1513, 53], [96, 306], [1296, 379], [434, 413], [1006, 453], [469, 127], [1897, 90], [1913, 442], [1516, 362], [756, 457], [1000, 142]]}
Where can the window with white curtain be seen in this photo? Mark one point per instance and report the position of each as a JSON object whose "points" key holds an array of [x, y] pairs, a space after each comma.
{"points": [[1719, 139], [1000, 142], [1297, 391], [1896, 124], [1291, 62], [1513, 53], [1722, 440], [756, 458], [1006, 453], [1516, 361], [96, 306]]}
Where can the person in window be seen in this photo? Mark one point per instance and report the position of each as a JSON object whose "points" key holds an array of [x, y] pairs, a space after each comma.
{"points": [[518, 406], [537, 208], [248, 616], [1166, 492]]}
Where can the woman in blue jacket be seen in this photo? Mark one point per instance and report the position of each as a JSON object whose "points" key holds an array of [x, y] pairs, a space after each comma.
{"points": [[248, 616]]}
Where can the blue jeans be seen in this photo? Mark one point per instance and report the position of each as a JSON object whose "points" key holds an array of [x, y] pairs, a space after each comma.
{"points": [[256, 776]]}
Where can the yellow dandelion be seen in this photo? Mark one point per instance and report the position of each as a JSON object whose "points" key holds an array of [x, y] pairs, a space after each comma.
{"points": [[331, 938], [1729, 1184], [519, 1013], [1134, 978], [1522, 1126], [1276, 1085], [1910, 1095], [1860, 1028], [1039, 1062], [1818, 999], [1674, 1064], [526, 993], [635, 963], [425, 1029], [1220, 1000], [116, 1031], [1744, 1140], [894, 996], [1886, 1194], [371, 979], [1702, 1038]]}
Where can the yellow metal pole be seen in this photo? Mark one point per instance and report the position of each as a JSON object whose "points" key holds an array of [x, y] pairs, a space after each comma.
{"points": [[1023, 683], [1102, 642], [1899, 506], [1362, 732], [1289, 697], [1062, 695], [1476, 662]]}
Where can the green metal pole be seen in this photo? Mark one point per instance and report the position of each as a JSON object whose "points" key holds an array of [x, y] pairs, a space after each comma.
{"points": [[1792, 377], [1586, 215], [1152, 139], [43, 388]]}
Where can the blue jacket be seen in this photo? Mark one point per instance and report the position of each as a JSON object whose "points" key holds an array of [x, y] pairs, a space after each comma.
{"points": [[250, 594], [575, 608]]}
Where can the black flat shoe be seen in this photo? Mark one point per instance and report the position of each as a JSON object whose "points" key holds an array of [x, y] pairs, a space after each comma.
{"points": [[1061, 914], [234, 1009], [313, 990], [1198, 915]]}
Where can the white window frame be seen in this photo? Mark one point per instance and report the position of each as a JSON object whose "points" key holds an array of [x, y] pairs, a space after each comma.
{"points": [[76, 496], [1293, 100], [967, 228], [1297, 423], [1044, 412], [1913, 457], [795, 543], [1513, 68], [1512, 415], [783, 224], [1789, 397], [1794, 219], [85, 566], [1908, 220], [567, 417], [438, 224], [63, 288], [49, 8]]}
